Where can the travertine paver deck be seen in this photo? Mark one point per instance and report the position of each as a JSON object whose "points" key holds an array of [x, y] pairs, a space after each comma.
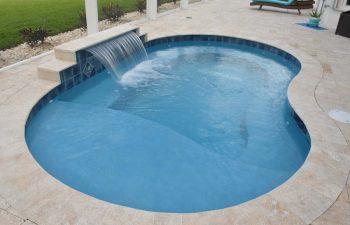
{"points": [[28, 195]]}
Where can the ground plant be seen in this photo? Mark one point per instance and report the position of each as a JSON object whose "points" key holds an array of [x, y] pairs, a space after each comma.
{"points": [[113, 11], [141, 5], [314, 14], [34, 36], [82, 20]]}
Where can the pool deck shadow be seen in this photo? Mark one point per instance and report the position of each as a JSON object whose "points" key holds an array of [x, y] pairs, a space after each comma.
{"points": [[317, 194]]}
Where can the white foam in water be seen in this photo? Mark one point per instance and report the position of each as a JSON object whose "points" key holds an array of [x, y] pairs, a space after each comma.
{"points": [[124, 51], [143, 73]]}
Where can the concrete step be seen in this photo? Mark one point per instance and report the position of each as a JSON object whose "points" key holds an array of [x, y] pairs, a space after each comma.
{"points": [[51, 70]]}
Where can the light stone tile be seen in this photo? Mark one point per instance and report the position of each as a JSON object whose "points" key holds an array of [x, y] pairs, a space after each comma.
{"points": [[301, 200], [56, 65], [49, 75], [337, 214], [319, 117], [265, 210], [299, 85], [22, 69], [347, 189], [345, 129], [339, 154], [43, 85], [11, 150], [324, 133], [5, 75], [28, 96], [66, 56], [11, 86], [4, 204], [9, 219], [331, 92], [3, 98], [329, 104], [167, 219], [344, 197], [312, 70], [207, 218], [127, 216], [322, 177], [73, 210], [299, 105], [29, 222]]}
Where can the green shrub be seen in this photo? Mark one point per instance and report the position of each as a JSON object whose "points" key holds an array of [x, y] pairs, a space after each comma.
{"points": [[315, 14], [112, 11], [82, 20], [34, 36], [174, 2], [141, 5]]}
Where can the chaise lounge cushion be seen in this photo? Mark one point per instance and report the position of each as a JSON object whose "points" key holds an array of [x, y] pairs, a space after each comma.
{"points": [[280, 2]]}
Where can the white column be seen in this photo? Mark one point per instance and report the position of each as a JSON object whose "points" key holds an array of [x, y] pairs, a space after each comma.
{"points": [[151, 9], [91, 16], [184, 4]]}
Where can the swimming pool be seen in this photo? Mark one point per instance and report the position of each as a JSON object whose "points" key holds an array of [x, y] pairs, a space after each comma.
{"points": [[201, 125]]}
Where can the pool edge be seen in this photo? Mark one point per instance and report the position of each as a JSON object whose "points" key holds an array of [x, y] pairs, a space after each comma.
{"points": [[298, 194]]}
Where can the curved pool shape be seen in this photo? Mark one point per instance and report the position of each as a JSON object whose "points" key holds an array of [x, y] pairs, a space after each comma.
{"points": [[201, 125]]}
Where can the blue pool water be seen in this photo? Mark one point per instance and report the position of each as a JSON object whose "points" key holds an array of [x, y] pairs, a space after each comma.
{"points": [[197, 127]]}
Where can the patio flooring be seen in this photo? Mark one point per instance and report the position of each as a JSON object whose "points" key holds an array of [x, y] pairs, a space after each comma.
{"points": [[317, 194]]}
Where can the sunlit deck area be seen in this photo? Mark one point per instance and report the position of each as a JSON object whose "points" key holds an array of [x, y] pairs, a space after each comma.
{"points": [[318, 193]]}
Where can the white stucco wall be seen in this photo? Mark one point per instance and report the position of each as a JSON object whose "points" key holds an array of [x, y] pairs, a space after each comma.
{"points": [[331, 12]]}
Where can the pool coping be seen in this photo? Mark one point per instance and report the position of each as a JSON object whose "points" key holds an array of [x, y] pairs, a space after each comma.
{"points": [[34, 195]]}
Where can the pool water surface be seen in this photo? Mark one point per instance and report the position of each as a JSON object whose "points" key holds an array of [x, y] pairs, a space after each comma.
{"points": [[197, 127]]}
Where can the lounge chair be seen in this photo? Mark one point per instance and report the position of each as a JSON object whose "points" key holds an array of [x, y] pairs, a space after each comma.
{"points": [[285, 4]]}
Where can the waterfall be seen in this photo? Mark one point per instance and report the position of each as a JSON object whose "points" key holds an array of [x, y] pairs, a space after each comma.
{"points": [[120, 54]]}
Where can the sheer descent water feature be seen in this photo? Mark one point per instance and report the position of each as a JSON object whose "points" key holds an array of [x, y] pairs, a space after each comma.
{"points": [[120, 54]]}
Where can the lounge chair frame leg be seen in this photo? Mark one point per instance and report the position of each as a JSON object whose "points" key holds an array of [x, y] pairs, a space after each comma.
{"points": [[296, 4]]}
